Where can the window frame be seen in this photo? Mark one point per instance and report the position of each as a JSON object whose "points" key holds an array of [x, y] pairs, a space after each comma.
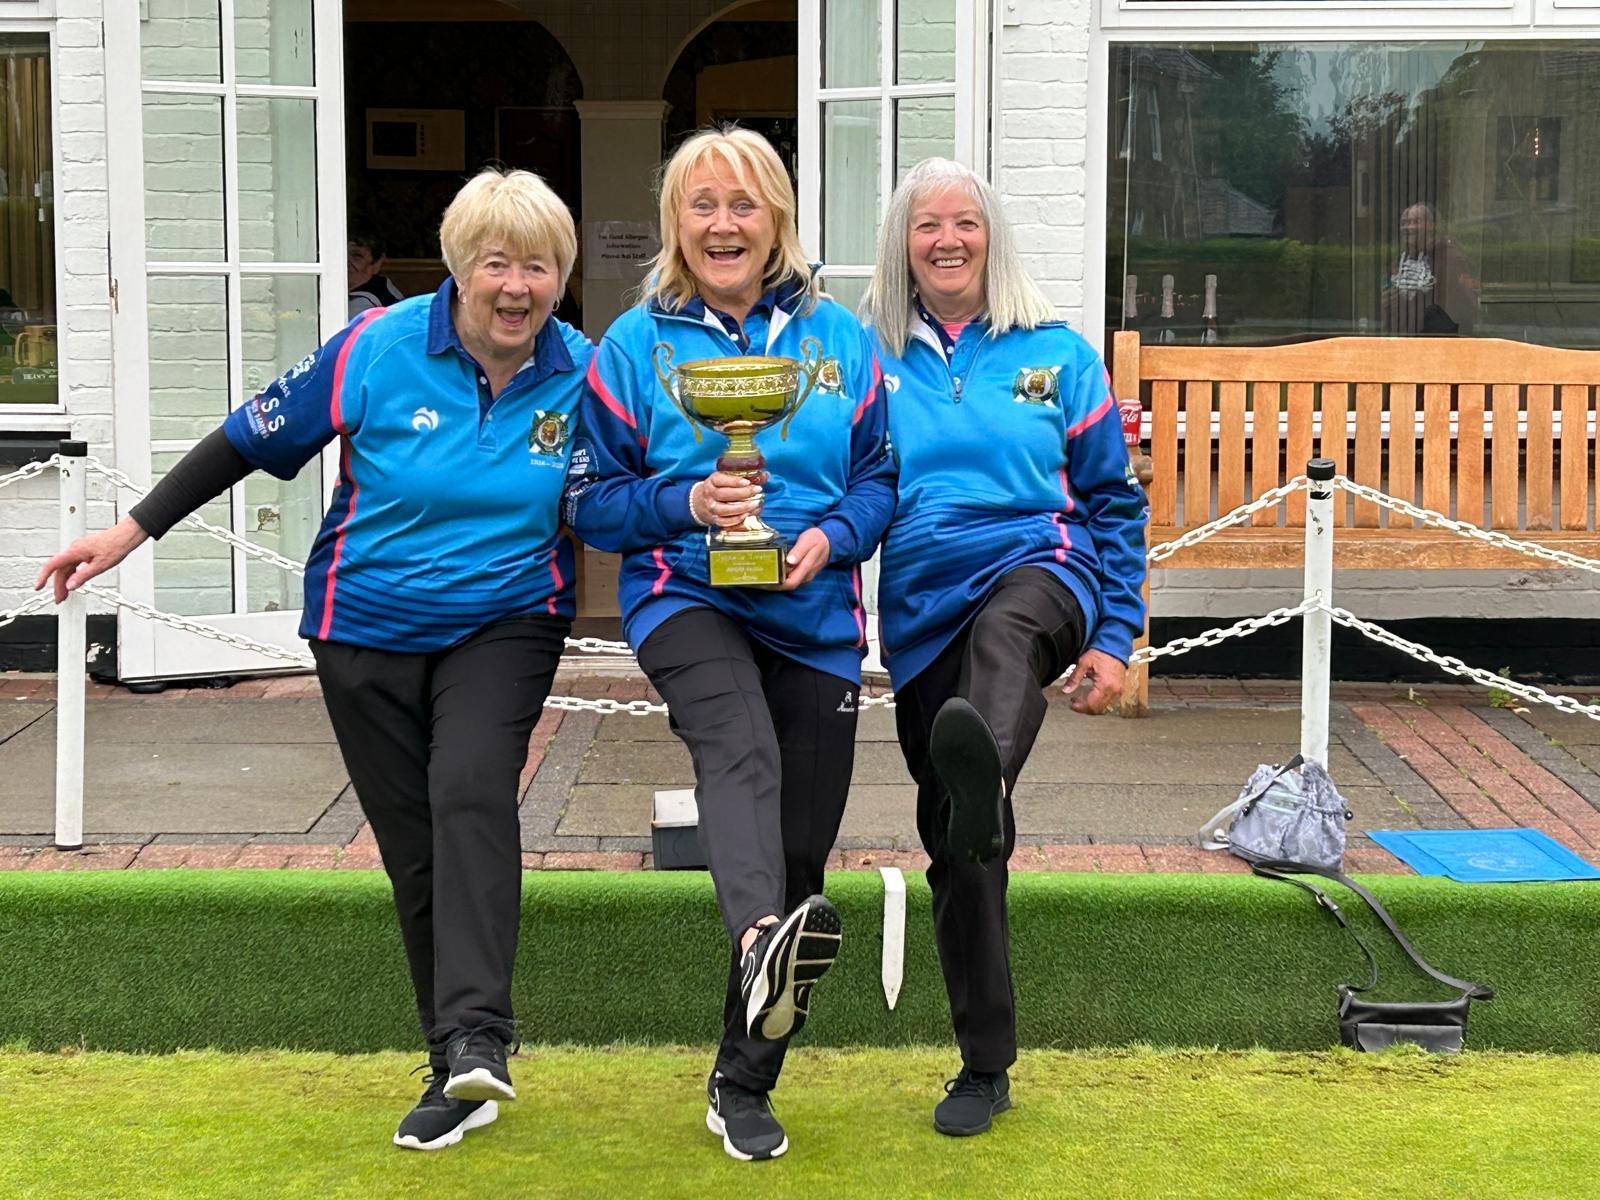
{"points": [[969, 89], [17, 415], [1103, 40], [1372, 18]]}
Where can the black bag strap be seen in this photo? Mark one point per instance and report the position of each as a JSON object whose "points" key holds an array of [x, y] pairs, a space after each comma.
{"points": [[1283, 870]]}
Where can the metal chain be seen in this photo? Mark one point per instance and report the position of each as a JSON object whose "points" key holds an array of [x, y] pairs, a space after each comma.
{"points": [[632, 708], [592, 645], [32, 604], [1201, 532], [1455, 666], [29, 470], [194, 521], [1465, 528], [238, 641], [1215, 637]]}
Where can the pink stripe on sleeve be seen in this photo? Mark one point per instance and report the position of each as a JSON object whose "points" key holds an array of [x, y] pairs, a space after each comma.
{"points": [[336, 418], [606, 398], [660, 556], [1106, 406]]}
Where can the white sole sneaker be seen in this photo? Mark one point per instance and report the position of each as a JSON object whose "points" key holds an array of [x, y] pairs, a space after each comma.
{"points": [[483, 1115], [716, 1125], [798, 954], [478, 1084]]}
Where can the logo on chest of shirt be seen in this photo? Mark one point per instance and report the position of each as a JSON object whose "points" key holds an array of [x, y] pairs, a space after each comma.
{"points": [[547, 436], [830, 377], [1037, 385], [425, 420]]}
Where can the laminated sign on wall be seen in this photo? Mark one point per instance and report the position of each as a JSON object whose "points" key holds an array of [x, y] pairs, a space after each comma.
{"points": [[618, 249]]}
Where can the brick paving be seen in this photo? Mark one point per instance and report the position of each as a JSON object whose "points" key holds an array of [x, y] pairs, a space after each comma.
{"points": [[1440, 751]]}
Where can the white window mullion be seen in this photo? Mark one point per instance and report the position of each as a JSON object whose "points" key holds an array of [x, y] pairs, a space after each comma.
{"points": [[888, 28], [810, 126], [231, 255]]}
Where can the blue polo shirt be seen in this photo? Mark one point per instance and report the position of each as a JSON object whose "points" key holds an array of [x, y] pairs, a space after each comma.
{"points": [[446, 514]]}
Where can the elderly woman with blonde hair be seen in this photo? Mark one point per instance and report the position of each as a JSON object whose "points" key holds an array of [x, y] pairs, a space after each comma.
{"points": [[761, 683], [454, 414], [1016, 553]]}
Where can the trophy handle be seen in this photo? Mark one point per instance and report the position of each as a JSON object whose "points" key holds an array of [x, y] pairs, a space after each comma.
{"points": [[811, 368], [661, 360]]}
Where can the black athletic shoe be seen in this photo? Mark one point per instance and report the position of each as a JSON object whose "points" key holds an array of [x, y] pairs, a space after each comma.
{"points": [[743, 1120], [781, 966], [438, 1121], [478, 1071], [972, 1100], [967, 759]]}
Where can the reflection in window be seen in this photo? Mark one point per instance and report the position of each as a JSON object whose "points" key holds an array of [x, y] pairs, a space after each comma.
{"points": [[1424, 188], [27, 224]]}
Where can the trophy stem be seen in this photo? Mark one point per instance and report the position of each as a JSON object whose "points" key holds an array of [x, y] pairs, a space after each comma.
{"points": [[744, 458]]}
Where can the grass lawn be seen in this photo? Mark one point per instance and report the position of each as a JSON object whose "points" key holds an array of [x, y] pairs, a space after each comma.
{"points": [[626, 1124]]}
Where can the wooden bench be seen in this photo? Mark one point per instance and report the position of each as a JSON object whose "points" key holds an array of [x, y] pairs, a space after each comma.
{"points": [[1501, 434]]}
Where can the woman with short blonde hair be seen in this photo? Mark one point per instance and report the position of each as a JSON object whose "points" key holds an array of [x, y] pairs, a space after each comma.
{"points": [[761, 682], [454, 413], [1012, 466]]}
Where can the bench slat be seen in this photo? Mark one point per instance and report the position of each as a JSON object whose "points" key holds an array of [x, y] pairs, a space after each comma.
{"points": [[1369, 450], [1197, 453], [1265, 445], [1335, 440], [1504, 459], [1374, 549], [1469, 453], [1540, 458], [1164, 452], [1374, 360], [1436, 447], [1574, 457], [1230, 448], [1402, 448], [1302, 405]]}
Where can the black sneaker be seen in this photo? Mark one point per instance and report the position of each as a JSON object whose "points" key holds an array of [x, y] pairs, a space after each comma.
{"points": [[967, 760], [972, 1100], [781, 966], [477, 1059], [438, 1121], [743, 1120]]}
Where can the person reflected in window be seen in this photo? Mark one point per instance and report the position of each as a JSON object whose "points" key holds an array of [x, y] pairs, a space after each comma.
{"points": [[1433, 288], [369, 286]]}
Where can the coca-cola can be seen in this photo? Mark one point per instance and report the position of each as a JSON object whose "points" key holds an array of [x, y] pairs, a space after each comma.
{"points": [[1131, 412]]}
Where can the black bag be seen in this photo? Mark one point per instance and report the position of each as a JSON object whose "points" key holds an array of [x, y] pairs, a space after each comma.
{"points": [[1439, 1026]]}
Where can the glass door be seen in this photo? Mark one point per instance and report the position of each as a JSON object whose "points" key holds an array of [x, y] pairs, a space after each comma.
{"points": [[227, 244]]}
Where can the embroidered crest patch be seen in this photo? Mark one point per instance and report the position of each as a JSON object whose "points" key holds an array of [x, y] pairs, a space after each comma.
{"points": [[1036, 385], [830, 377], [548, 435]]}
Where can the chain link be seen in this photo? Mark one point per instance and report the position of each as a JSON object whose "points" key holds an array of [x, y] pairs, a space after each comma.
{"points": [[1201, 532], [29, 470], [237, 641], [32, 604], [593, 645], [1455, 666], [632, 708], [1465, 528], [194, 521], [1215, 637]]}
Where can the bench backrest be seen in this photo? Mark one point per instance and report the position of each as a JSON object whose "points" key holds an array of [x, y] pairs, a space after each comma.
{"points": [[1501, 434]]}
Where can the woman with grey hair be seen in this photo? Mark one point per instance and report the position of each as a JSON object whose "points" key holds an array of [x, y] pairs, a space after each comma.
{"points": [[1016, 552]]}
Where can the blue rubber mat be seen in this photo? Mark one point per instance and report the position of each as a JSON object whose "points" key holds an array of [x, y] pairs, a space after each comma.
{"points": [[1485, 855]]}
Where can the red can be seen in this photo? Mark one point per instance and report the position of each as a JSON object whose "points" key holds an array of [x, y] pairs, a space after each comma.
{"points": [[1132, 413]]}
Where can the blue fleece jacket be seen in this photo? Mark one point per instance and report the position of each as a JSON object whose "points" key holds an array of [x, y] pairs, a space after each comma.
{"points": [[1011, 455], [636, 460]]}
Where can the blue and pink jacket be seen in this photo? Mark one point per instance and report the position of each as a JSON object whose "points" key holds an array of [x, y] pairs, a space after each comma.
{"points": [[1011, 455], [446, 513], [637, 459]]}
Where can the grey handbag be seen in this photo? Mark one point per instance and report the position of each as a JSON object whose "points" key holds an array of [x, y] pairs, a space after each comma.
{"points": [[1290, 813]]}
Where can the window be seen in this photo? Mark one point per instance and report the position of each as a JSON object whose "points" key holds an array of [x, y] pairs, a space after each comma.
{"points": [[1407, 188], [27, 224]]}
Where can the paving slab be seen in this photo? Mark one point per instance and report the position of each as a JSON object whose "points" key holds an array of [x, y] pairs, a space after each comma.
{"points": [[216, 722], [1201, 763], [17, 715], [1566, 728], [619, 727], [663, 764], [608, 810], [171, 786], [1163, 725], [884, 813]]}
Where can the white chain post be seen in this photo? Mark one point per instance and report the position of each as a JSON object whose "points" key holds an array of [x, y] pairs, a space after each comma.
{"points": [[1316, 640], [70, 654]]}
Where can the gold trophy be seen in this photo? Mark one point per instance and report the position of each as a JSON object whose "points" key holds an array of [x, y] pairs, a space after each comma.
{"points": [[738, 398]]}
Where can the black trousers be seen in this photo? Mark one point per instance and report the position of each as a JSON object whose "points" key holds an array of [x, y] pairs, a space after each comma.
{"points": [[434, 744], [1028, 631], [773, 744]]}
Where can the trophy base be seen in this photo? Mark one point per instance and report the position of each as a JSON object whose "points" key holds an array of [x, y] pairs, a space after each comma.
{"points": [[747, 566]]}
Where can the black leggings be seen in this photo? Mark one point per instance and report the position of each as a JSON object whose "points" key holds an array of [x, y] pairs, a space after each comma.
{"points": [[773, 744], [434, 744], [1028, 631]]}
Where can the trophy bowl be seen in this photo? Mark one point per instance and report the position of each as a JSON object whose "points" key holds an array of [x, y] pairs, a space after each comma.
{"points": [[738, 397]]}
